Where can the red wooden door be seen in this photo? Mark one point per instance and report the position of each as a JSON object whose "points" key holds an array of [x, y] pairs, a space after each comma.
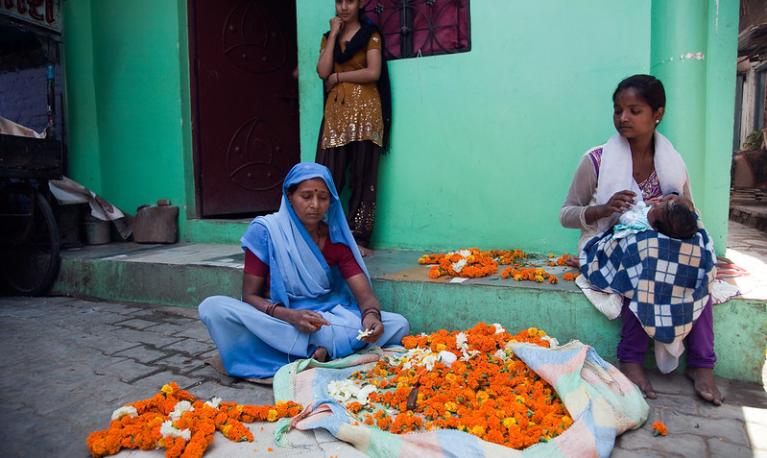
{"points": [[245, 102]]}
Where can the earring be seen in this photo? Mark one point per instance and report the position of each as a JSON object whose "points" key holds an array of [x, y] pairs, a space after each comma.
{"points": [[657, 121]]}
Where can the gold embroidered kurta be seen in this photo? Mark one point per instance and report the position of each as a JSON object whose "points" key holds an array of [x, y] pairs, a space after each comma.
{"points": [[353, 110]]}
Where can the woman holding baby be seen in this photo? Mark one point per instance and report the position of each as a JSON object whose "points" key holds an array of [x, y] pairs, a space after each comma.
{"points": [[306, 292], [639, 164]]}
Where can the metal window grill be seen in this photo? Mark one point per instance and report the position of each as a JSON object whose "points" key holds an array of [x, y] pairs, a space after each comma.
{"points": [[414, 28]]}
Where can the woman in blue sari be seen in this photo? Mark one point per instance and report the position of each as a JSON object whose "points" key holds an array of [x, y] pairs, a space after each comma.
{"points": [[305, 291]]}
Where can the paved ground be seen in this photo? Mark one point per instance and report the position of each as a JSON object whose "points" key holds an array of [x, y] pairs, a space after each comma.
{"points": [[67, 363], [747, 248]]}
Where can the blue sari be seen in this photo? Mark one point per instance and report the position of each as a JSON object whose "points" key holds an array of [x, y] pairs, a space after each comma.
{"points": [[253, 344]]}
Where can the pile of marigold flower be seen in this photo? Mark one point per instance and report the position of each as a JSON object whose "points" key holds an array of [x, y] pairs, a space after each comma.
{"points": [[537, 274], [473, 263], [467, 263], [175, 420], [465, 380]]}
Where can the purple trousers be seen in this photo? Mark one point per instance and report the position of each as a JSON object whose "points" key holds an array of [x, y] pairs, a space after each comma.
{"points": [[699, 343]]}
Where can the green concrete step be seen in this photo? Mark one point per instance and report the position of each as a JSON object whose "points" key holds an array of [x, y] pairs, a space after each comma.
{"points": [[185, 274]]}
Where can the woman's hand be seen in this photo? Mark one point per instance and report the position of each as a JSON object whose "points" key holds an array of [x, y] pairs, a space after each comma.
{"points": [[618, 203], [331, 82], [336, 24], [306, 321], [373, 324]]}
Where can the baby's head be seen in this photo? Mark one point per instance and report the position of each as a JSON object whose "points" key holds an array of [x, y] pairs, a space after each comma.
{"points": [[675, 217]]}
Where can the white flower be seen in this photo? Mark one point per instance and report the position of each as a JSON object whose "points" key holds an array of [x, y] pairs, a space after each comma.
{"points": [[168, 430], [362, 334], [123, 411], [179, 409], [467, 355], [500, 354], [458, 265], [362, 396], [461, 340], [342, 390], [447, 357], [498, 328], [428, 361], [214, 402], [464, 253]]}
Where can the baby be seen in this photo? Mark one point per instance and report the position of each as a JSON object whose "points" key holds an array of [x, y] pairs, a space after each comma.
{"points": [[673, 216]]}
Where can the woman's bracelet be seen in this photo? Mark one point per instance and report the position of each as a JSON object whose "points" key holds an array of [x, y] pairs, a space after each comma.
{"points": [[271, 307], [371, 311]]}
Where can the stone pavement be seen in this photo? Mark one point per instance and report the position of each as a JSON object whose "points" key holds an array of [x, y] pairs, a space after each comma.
{"points": [[67, 364]]}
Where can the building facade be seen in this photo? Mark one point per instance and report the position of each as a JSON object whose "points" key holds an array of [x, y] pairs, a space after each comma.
{"points": [[172, 100]]}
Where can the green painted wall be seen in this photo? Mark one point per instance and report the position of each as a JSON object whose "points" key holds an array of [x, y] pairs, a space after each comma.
{"points": [[128, 87], [485, 143], [84, 160]]}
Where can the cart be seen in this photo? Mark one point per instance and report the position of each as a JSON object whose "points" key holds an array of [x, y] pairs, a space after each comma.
{"points": [[29, 234]]}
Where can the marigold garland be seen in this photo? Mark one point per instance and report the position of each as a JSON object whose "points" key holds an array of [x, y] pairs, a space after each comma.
{"points": [[176, 420], [558, 261], [473, 263], [466, 263], [570, 276], [482, 389], [536, 274]]}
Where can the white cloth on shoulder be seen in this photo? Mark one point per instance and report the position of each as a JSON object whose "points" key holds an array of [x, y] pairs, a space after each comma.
{"points": [[616, 172]]}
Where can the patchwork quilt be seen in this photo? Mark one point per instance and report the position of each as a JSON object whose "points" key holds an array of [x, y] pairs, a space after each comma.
{"points": [[666, 280]]}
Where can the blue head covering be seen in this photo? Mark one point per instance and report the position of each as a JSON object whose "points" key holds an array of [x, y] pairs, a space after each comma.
{"points": [[299, 275]]}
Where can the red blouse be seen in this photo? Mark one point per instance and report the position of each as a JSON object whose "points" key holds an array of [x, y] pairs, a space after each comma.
{"points": [[335, 254]]}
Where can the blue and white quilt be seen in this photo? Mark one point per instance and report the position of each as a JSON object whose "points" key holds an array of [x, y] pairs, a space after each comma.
{"points": [[666, 280]]}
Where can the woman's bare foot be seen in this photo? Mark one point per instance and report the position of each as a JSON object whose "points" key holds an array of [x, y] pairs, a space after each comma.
{"points": [[364, 251], [320, 354], [636, 374], [705, 386]]}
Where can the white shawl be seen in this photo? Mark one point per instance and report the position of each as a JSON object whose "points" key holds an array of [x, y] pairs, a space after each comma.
{"points": [[616, 172]]}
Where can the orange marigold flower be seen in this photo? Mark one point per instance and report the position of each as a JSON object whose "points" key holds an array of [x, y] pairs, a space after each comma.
{"points": [[659, 429], [143, 431], [435, 272], [497, 398], [354, 407]]}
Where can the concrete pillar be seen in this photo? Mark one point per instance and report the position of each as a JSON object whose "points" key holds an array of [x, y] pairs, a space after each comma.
{"points": [[693, 52]]}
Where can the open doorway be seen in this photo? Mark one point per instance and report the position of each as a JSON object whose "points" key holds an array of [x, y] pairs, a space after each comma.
{"points": [[244, 103], [748, 199]]}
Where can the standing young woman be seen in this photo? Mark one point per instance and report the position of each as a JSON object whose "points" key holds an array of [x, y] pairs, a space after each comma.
{"points": [[357, 115]]}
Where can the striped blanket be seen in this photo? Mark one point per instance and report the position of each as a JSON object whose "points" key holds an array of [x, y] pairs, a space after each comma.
{"points": [[601, 400]]}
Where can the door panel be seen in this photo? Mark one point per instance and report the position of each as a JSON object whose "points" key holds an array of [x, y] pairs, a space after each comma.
{"points": [[246, 103]]}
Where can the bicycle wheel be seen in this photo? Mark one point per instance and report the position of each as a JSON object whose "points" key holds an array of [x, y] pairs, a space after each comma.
{"points": [[31, 266]]}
